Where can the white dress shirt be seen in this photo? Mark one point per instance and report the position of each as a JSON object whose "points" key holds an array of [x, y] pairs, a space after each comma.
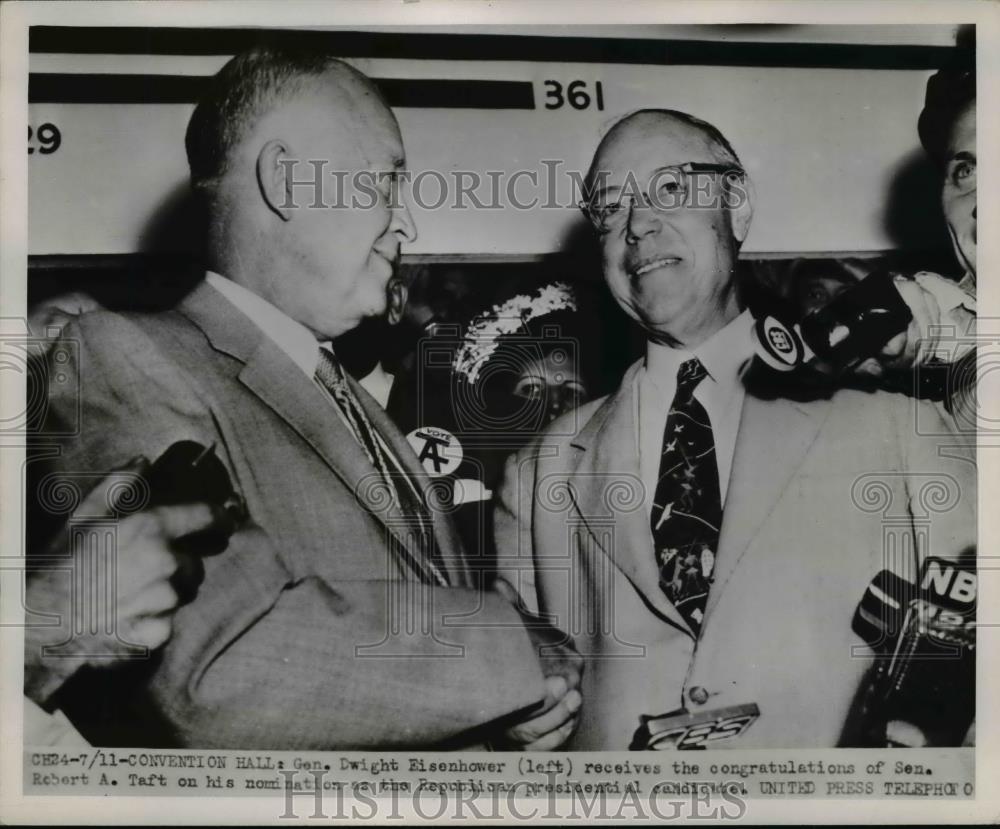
{"points": [[721, 393], [378, 383], [292, 337]]}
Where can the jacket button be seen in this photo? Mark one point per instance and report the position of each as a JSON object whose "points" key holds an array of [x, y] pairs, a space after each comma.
{"points": [[698, 695]]}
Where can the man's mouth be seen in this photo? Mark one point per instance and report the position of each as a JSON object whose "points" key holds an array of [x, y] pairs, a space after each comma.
{"points": [[654, 264]]}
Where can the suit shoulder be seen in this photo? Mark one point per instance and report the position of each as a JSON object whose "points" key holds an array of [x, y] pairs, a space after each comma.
{"points": [[569, 424], [857, 400], [130, 334], [147, 355], [559, 434], [566, 427], [881, 402]]}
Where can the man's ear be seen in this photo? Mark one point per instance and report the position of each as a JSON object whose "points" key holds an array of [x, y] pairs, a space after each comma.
{"points": [[274, 184], [739, 199], [398, 293]]}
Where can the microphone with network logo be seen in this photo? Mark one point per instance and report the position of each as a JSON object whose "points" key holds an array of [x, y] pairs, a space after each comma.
{"points": [[922, 689], [855, 325]]}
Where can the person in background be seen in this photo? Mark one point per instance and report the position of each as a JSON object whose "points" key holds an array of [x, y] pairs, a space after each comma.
{"points": [[947, 128], [944, 310], [63, 636], [519, 365], [815, 283], [439, 302]]}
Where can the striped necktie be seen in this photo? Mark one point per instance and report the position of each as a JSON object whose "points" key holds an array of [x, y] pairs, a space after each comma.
{"points": [[687, 505], [403, 489]]}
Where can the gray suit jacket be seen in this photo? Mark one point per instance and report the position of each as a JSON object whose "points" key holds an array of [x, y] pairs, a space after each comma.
{"points": [[822, 496], [307, 632]]}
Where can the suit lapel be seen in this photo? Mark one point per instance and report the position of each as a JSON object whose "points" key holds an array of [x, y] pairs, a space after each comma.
{"points": [[449, 545], [772, 442], [273, 377], [773, 439], [609, 458]]}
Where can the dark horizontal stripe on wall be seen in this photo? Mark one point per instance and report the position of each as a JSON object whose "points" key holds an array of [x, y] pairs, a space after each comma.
{"points": [[545, 49], [132, 263], [58, 88]]}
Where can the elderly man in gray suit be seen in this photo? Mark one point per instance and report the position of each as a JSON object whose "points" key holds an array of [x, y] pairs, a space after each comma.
{"points": [[343, 614]]}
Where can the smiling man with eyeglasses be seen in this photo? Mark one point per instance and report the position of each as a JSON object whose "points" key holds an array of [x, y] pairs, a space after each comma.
{"points": [[705, 547], [662, 185]]}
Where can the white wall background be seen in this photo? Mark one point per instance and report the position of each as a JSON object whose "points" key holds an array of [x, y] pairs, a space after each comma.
{"points": [[822, 145]]}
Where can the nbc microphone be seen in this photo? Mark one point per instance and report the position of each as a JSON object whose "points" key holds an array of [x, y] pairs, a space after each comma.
{"points": [[922, 689]]}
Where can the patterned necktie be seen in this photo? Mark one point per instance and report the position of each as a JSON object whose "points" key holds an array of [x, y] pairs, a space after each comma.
{"points": [[687, 505], [403, 489]]}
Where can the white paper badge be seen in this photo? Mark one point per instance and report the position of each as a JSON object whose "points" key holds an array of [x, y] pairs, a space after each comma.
{"points": [[438, 450]]}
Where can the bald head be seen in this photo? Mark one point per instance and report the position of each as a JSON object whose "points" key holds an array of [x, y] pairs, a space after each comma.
{"points": [[651, 126], [250, 87]]}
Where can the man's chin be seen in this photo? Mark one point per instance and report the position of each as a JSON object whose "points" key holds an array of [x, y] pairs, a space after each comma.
{"points": [[379, 307]]}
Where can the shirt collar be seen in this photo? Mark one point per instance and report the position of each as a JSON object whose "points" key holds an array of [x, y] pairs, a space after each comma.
{"points": [[723, 354], [292, 337]]}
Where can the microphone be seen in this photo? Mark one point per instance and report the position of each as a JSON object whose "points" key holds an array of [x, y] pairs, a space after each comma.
{"points": [[922, 688], [187, 472], [854, 326]]}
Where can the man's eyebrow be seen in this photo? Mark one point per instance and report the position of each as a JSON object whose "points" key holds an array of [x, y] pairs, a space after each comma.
{"points": [[964, 155]]}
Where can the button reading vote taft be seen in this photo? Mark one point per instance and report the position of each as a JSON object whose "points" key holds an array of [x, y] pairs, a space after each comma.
{"points": [[698, 695]]}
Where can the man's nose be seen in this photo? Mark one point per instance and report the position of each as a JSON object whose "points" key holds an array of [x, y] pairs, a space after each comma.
{"points": [[642, 220], [402, 221]]}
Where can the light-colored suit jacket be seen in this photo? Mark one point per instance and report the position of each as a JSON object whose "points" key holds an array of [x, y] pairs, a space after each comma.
{"points": [[821, 497], [308, 631]]}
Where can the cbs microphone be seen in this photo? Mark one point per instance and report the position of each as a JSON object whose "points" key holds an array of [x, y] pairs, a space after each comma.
{"points": [[854, 326], [922, 689]]}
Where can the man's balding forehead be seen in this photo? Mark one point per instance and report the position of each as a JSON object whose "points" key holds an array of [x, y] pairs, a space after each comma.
{"points": [[343, 86], [351, 81], [648, 121], [363, 103], [255, 83]]}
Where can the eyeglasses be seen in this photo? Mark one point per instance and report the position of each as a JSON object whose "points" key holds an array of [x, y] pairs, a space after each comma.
{"points": [[669, 188], [960, 173]]}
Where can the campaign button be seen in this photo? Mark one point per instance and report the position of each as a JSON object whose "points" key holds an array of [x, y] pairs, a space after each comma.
{"points": [[438, 450], [698, 695]]}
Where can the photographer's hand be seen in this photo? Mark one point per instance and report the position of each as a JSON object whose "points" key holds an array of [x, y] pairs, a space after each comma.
{"points": [[142, 601], [939, 308]]}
